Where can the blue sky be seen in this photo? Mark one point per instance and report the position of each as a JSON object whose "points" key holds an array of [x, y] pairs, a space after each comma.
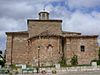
{"points": [[77, 15]]}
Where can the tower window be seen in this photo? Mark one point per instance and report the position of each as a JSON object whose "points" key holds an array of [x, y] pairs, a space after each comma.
{"points": [[82, 48]]}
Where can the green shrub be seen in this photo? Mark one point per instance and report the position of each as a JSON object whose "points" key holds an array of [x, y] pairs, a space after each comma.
{"points": [[84, 65], [62, 62], [99, 53], [74, 60], [98, 62], [2, 63]]}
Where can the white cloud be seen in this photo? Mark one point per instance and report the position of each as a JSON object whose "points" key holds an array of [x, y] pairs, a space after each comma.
{"points": [[16, 10], [2, 41], [9, 24], [58, 12], [83, 3], [96, 15], [85, 23]]}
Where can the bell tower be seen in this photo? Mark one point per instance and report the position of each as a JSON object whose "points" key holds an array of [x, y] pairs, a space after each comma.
{"points": [[37, 26], [44, 15]]}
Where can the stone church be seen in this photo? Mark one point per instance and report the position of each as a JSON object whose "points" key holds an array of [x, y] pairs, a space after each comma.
{"points": [[45, 44]]}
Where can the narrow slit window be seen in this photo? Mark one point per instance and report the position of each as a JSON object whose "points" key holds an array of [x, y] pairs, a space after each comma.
{"points": [[82, 47]]}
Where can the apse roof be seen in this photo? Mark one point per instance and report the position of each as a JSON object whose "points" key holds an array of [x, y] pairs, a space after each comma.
{"points": [[46, 33]]}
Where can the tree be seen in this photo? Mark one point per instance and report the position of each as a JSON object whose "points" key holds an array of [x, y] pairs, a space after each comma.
{"points": [[99, 54], [0, 52], [2, 61], [99, 57]]}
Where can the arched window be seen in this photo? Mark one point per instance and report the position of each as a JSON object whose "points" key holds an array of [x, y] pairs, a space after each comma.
{"points": [[49, 47]]}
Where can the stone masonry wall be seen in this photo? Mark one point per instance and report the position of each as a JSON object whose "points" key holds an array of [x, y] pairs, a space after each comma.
{"points": [[19, 51], [8, 49], [49, 52], [73, 47], [36, 27]]}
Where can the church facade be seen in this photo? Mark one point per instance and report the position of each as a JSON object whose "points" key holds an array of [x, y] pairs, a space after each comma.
{"points": [[45, 44]]}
